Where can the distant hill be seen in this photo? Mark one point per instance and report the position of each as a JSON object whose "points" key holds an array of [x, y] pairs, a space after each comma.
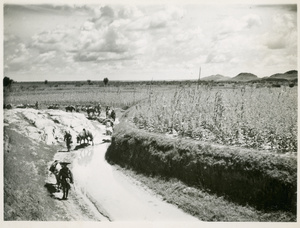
{"points": [[217, 77], [243, 77], [289, 75]]}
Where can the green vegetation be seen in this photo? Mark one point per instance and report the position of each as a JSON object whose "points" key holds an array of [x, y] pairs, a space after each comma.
{"points": [[264, 180], [259, 118]]}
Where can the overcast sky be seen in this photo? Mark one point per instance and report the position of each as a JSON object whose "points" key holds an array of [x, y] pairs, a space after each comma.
{"points": [[144, 42]]}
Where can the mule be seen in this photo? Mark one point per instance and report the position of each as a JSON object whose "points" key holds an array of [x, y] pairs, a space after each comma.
{"points": [[89, 136], [8, 106], [91, 110], [53, 106], [70, 108], [85, 135], [81, 136]]}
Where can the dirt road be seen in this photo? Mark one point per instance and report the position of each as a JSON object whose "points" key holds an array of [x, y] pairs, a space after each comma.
{"points": [[103, 193], [116, 196]]}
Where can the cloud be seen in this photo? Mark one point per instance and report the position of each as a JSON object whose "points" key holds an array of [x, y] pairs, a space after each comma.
{"points": [[216, 58], [233, 24], [54, 9], [107, 11], [84, 56], [283, 32], [252, 20], [18, 59], [88, 26], [95, 43], [163, 18], [123, 33], [46, 57], [152, 38], [111, 34], [49, 40], [130, 12], [276, 42], [10, 43]]}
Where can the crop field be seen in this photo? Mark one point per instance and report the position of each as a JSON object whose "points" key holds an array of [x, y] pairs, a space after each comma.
{"points": [[260, 118], [73, 94]]}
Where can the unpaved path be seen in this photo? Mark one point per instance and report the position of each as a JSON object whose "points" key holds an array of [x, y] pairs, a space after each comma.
{"points": [[116, 196], [103, 193]]}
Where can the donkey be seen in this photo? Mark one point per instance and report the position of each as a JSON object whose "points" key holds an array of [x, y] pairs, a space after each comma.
{"points": [[85, 135]]}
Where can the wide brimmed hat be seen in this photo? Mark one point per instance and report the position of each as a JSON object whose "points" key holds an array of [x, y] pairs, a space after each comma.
{"points": [[65, 163]]}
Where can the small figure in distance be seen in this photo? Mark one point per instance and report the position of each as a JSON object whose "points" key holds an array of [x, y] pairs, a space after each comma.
{"points": [[113, 114], [98, 108], [68, 140], [109, 127], [108, 112]]}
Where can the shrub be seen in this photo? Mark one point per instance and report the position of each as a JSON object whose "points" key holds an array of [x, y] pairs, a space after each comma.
{"points": [[264, 180]]}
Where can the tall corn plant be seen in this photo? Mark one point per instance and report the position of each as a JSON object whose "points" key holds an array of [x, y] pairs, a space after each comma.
{"points": [[264, 118]]}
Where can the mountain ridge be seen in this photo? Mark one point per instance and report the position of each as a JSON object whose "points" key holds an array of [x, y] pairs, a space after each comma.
{"points": [[246, 76]]}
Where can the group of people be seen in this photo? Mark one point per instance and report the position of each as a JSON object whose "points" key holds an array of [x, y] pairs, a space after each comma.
{"points": [[63, 175]]}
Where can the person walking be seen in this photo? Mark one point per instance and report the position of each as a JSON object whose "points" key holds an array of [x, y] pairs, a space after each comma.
{"points": [[65, 177], [68, 140], [113, 114], [98, 108], [108, 112]]}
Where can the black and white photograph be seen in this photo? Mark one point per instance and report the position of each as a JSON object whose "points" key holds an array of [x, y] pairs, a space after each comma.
{"points": [[150, 113]]}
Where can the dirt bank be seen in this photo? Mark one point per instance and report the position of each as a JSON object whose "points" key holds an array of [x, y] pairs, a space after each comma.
{"points": [[267, 181]]}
